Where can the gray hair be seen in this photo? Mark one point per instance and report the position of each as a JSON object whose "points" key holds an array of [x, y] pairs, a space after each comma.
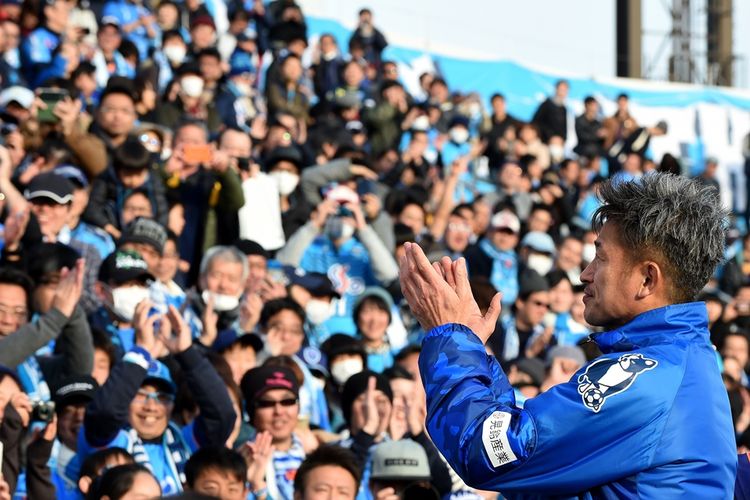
{"points": [[675, 218], [227, 254]]}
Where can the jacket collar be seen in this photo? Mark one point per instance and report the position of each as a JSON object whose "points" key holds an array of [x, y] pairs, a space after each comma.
{"points": [[683, 323]]}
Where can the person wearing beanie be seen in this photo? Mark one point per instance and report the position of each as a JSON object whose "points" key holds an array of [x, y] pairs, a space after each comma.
{"points": [[271, 396]]}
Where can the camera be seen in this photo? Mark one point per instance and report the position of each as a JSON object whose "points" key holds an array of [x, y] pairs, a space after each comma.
{"points": [[42, 411], [243, 164]]}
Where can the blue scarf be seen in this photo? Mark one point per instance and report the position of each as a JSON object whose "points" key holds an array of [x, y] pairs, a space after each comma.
{"points": [[504, 275], [176, 452], [32, 380]]}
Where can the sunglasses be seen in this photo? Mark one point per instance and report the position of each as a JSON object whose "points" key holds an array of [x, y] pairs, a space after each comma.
{"points": [[271, 403]]}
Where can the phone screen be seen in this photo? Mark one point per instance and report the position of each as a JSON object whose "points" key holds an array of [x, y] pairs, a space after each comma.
{"points": [[197, 154], [50, 97]]}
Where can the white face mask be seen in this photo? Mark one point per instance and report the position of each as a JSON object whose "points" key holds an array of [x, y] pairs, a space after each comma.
{"points": [[243, 88], [421, 123], [192, 86], [221, 302], [124, 300], [329, 56], [318, 311], [342, 370], [459, 135], [589, 252], [175, 53], [286, 181], [540, 263], [557, 153]]}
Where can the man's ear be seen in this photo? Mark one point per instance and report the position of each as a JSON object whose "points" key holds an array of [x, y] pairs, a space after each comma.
{"points": [[653, 279]]}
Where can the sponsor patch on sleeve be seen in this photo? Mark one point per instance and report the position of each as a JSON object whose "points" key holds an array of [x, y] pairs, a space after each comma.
{"points": [[495, 439]]}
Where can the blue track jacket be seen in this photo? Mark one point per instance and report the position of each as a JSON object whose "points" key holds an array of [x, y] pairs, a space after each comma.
{"points": [[648, 419]]}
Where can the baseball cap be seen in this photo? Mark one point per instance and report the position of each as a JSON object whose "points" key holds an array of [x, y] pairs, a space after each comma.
{"points": [[73, 174], [122, 266], [109, 21], [262, 379], [539, 242], [76, 389], [51, 186], [18, 94], [531, 282], [158, 375], [402, 460], [240, 63], [229, 337], [506, 220], [147, 231], [318, 284]]}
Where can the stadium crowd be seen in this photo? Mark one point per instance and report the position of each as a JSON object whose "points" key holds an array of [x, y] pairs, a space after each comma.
{"points": [[202, 211]]}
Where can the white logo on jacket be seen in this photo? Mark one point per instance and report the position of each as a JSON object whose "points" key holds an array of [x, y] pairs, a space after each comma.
{"points": [[609, 376]]}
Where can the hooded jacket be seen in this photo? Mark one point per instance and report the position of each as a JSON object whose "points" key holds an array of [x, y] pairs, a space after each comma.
{"points": [[649, 418]]}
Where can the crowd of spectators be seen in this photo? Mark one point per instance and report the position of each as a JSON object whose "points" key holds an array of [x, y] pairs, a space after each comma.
{"points": [[202, 211]]}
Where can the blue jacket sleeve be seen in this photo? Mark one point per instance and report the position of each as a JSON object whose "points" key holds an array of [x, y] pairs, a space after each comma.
{"points": [[107, 414], [217, 417], [553, 445]]}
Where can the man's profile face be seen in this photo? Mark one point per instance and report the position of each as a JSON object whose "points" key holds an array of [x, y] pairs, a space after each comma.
{"points": [[329, 482], [610, 284]]}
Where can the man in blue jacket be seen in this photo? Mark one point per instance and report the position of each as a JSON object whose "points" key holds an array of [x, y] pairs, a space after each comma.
{"points": [[647, 419]]}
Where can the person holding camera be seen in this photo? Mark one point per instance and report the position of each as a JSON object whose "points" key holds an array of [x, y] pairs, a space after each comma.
{"points": [[17, 414], [339, 242]]}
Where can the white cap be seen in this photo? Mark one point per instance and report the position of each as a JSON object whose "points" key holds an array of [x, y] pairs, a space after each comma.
{"points": [[506, 220], [21, 95]]}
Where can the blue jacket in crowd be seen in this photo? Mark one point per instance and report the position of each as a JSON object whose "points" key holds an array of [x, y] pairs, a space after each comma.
{"points": [[648, 419]]}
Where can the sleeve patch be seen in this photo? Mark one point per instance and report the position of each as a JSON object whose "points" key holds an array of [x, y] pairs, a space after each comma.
{"points": [[495, 439]]}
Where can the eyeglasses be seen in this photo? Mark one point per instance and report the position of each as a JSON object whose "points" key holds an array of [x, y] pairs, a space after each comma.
{"points": [[271, 403], [147, 140], [162, 398], [19, 313]]}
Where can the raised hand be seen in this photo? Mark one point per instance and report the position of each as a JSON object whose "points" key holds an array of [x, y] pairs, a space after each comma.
{"points": [[439, 294], [69, 289], [257, 455], [175, 332], [210, 319], [372, 417], [145, 336]]}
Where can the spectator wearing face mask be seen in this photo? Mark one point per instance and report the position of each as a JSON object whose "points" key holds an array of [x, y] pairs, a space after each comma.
{"points": [[190, 102], [214, 305], [339, 242], [123, 283], [345, 357], [537, 252], [315, 293]]}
